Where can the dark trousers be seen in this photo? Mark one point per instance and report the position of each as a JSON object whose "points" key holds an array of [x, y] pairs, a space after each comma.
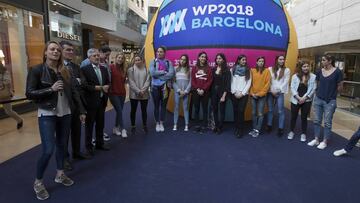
{"points": [[204, 101], [353, 140], [239, 106], [53, 132], [159, 102], [215, 104], [305, 109], [134, 104], [75, 135], [94, 116]]}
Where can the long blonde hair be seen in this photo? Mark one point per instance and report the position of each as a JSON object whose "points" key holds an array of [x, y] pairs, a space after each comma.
{"points": [[60, 62], [122, 67]]}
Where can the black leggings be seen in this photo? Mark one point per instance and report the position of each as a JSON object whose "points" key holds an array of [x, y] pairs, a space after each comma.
{"points": [[134, 104], [215, 104], [204, 100], [239, 106], [305, 109]]}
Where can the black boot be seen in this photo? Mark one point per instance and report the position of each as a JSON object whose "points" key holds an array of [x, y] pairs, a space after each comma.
{"points": [[280, 132]]}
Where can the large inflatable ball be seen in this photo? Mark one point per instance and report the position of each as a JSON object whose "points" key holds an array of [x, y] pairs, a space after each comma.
{"points": [[251, 27]]}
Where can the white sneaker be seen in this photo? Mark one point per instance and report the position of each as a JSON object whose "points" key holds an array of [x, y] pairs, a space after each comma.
{"points": [[340, 152], [123, 133], [303, 138], [175, 128], [186, 128], [255, 133], [106, 137], [322, 145], [161, 128], [313, 142], [290, 135], [116, 131], [157, 128]]}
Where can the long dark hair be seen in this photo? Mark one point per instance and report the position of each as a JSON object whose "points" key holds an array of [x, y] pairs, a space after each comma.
{"points": [[329, 58], [60, 63], [261, 69], [224, 64], [299, 72], [187, 64], [198, 61], [277, 66], [247, 69]]}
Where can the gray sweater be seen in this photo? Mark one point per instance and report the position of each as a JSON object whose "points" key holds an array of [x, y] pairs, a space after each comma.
{"points": [[182, 80], [139, 79]]}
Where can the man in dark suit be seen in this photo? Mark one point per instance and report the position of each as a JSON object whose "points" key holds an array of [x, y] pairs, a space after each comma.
{"points": [[96, 85], [68, 55]]}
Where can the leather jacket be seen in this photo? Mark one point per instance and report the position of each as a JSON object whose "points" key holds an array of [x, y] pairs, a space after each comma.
{"points": [[40, 78]]}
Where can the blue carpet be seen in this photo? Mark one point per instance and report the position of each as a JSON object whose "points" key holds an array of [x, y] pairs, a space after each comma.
{"points": [[185, 167]]}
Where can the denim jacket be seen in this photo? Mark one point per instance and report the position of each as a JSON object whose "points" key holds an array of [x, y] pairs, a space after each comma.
{"points": [[295, 81]]}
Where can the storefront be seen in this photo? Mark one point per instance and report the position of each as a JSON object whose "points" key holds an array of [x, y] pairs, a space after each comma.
{"points": [[65, 24]]}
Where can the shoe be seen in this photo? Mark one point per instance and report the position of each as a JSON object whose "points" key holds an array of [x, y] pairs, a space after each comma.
{"points": [[89, 154], [197, 129], [322, 145], [268, 128], [290, 135], [174, 128], [239, 134], [133, 130], [255, 133], [157, 128], [123, 133], [67, 165], [186, 128], [145, 129], [93, 141], [80, 156], [340, 152], [251, 132], [313, 142], [41, 192], [19, 125], [162, 129], [106, 137], [303, 138], [102, 147], [280, 132], [116, 131], [63, 179]]}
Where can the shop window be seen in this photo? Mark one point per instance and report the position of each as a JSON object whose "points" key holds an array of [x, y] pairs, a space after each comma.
{"points": [[102, 4]]}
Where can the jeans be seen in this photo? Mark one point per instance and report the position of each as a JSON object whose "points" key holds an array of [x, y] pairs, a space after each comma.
{"points": [[324, 110], [353, 140], [134, 103], [305, 109], [257, 112], [53, 132], [118, 103], [10, 112], [204, 101], [159, 102], [279, 102], [239, 106], [185, 99], [215, 103]]}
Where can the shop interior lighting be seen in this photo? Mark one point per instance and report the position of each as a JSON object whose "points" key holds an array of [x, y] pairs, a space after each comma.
{"points": [[2, 54]]}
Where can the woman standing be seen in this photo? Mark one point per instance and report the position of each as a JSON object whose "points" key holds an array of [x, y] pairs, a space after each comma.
{"points": [[182, 87], [220, 87], [50, 86], [118, 92], [201, 80], [139, 82], [329, 80], [280, 76], [302, 87], [240, 85], [7, 92], [260, 85], [162, 73]]}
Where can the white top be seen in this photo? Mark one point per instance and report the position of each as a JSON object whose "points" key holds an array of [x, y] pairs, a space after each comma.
{"points": [[62, 107], [281, 85], [239, 84]]}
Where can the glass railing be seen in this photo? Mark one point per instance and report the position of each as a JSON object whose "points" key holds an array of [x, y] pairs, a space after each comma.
{"points": [[349, 97]]}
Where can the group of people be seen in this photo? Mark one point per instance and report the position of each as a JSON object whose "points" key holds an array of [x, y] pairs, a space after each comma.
{"points": [[68, 95]]}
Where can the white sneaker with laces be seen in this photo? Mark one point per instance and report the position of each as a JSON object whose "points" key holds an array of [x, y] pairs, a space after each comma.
{"points": [[322, 145], [116, 131], [106, 137], [303, 138], [340, 152], [157, 128], [186, 128], [255, 133], [175, 128], [313, 142], [162, 129], [290, 135], [123, 133]]}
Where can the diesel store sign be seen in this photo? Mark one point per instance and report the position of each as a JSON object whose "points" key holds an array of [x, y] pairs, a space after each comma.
{"points": [[67, 36]]}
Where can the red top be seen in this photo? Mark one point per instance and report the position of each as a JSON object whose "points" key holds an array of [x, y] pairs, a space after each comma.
{"points": [[201, 79], [118, 79]]}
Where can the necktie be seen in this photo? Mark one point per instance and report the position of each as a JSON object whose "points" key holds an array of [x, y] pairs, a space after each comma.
{"points": [[98, 74]]}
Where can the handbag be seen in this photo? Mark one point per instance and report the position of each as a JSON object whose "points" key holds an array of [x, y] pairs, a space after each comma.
{"points": [[5, 91]]}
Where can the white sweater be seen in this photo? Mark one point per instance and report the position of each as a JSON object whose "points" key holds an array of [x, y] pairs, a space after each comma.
{"points": [[239, 84], [281, 85]]}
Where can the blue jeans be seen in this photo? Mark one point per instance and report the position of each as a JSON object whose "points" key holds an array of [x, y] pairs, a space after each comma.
{"points": [[279, 102], [353, 140], [185, 108], [159, 102], [324, 110], [258, 112], [53, 132], [118, 103]]}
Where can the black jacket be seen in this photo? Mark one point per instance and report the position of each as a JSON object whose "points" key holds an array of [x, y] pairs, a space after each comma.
{"points": [[225, 84], [90, 80], [40, 78], [77, 77]]}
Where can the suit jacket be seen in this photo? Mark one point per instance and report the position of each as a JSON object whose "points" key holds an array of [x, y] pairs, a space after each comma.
{"points": [[88, 83], [77, 77]]}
